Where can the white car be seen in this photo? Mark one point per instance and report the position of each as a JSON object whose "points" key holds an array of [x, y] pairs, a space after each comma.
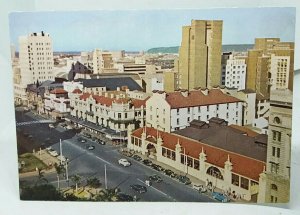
{"points": [[53, 153], [199, 188], [124, 162]]}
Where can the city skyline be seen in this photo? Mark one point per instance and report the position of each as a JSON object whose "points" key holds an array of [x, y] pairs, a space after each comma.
{"points": [[149, 29]]}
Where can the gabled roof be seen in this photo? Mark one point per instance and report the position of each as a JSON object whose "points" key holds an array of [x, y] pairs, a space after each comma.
{"points": [[78, 68], [243, 165], [137, 103], [197, 98], [77, 91]]}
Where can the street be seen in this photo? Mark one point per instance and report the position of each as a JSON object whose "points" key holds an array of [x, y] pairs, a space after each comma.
{"points": [[91, 163]]}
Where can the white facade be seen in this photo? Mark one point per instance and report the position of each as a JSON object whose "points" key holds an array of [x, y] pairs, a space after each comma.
{"points": [[235, 75], [36, 58], [162, 116], [56, 104], [280, 67]]}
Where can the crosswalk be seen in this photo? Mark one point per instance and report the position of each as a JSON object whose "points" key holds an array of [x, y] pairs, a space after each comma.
{"points": [[34, 122]]}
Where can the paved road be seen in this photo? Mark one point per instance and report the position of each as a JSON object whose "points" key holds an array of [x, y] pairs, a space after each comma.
{"points": [[87, 163]]}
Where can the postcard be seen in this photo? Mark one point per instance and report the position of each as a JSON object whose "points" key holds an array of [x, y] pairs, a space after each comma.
{"points": [[154, 105]]}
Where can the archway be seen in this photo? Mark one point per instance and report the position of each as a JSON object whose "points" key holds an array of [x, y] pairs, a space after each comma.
{"points": [[215, 172], [151, 150]]}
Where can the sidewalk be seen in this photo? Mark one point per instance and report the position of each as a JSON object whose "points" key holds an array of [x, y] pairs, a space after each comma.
{"points": [[192, 178]]}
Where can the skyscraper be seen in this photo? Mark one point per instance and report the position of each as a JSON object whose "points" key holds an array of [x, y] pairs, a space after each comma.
{"points": [[36, 58], [200, 54]]}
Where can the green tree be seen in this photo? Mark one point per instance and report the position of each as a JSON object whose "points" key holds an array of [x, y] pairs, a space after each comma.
{"points": [[106, 195], [59, 170], [93, 182], [41, 177], [77, 180], [41, 192]]}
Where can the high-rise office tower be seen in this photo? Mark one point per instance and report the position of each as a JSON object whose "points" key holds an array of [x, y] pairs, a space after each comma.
{"points": [[200, 54], [36, 58]]}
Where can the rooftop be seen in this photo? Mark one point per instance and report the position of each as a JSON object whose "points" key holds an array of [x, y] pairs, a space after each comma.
{"points": [[198, 98]]}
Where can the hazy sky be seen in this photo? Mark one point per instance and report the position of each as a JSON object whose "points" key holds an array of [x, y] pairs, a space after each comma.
{"points": [[136, 30]]}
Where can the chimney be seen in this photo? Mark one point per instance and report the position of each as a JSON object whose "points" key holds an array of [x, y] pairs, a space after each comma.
{"points": [[118, 88], [105, 94], [112, 95], [204, 91], [185, 93]]}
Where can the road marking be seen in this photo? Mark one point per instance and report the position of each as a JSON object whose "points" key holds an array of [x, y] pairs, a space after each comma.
{"points": [[103, 160], [34, 122], [154, 188]]}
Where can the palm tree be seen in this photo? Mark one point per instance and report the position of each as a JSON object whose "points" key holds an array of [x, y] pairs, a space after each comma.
{"points": [[77, 180], [59, 170], [41, 176], [106, 195]]}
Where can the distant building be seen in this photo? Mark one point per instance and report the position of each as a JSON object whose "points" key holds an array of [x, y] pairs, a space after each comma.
{"points": [[222, 156], [78, 70], [174, 111], [101, 60], [235, 72], [170, 81], [200, 55]]}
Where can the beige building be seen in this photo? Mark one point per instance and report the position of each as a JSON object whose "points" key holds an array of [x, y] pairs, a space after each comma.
{"points": [[170, 81], [262, 70], [101, 60], [200, 54], [274, 182], [221, 156]]}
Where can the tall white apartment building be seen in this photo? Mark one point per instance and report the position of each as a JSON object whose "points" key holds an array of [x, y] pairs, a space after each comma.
{"points": [[36, 58], [279, 68], [35, 63], [235, 76], [174, 111]]}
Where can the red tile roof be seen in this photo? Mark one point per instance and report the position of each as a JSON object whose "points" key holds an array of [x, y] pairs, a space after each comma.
{"points": [[137, 103], [104, 100], [77, 91], [242, 165], [58, 91], [197, 98]]}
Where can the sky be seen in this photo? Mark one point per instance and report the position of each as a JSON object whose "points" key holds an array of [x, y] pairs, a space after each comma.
{"points": [[137, 30]]}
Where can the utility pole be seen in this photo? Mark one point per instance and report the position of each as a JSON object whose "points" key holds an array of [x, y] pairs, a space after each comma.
{"points": [[67, 174], [60, 148], [105, 178]]}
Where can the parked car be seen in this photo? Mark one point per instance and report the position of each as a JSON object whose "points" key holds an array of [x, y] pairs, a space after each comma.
{"points": [[137, 158], [87, 135], [138, 188], [101, 142], [90, 147], [147, 162], [122, 197], [124, 162], [183, 179], [82, 140], [168, 172], [200, 188], [155, 178], [53, 153], [220, 197]]}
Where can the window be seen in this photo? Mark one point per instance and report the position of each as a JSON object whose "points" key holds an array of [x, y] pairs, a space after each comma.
{"points": [[274, 187], [164, 120], [244, 183], [196, 164], [274, 167], [188, 119], [273, 151], [125, 115], [177, 121], [273, 199], [150, 108], [276, 135], [278, 152], [150, 117], [235, 179], [119, 115], [182, 159], [189, 110], [217, 107], [276, 120], [177, 111]]}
